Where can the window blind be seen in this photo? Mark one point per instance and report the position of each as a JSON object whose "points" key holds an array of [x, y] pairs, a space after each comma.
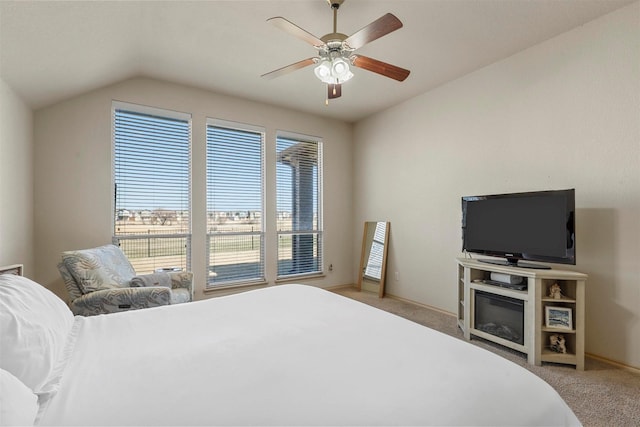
{"points": [[152, 173], [235, 183], [298, 188]]}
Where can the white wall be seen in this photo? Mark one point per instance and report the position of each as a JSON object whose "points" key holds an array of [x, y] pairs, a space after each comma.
{"points": [[73, 173], [16, 181], [562, 114]]}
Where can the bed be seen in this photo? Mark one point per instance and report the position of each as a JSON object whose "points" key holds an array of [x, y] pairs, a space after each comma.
{"points": [[283, 355]]}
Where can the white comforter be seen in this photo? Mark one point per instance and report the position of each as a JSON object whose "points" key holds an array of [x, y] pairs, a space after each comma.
{"points": [[286, 355]]}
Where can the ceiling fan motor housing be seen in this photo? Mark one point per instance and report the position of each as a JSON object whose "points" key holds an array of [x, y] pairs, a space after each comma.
{"points": [[334, 45]]}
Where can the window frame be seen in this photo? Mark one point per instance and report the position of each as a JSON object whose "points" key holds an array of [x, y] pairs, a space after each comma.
{"points": [[241, 127], [160, 113], [319, 230]]}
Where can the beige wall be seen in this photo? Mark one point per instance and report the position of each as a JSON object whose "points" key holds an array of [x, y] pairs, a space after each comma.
{"points": [[73, 176], [16, 181], [562, 114]]}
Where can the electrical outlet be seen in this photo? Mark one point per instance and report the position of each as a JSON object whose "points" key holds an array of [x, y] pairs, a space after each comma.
{"points": [[397, 276], [330, 267]]}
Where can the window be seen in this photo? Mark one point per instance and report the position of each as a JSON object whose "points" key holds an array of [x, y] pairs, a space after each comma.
{"points": [[235, 182], [298, 187], [152, 218]]}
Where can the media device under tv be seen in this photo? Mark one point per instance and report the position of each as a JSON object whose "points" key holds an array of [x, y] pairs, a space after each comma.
{"points": [[533, 226]]}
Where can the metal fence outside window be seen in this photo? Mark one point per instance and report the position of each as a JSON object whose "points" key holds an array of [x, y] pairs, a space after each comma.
{"points": [[152, 251]]}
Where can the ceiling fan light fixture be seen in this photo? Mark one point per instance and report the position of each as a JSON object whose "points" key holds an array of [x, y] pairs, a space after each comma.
{"points": [[335, 70], [323, 71], [340, 70]]}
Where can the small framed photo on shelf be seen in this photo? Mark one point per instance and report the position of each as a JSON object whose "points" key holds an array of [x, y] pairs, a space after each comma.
{"points": [[558, 317]]}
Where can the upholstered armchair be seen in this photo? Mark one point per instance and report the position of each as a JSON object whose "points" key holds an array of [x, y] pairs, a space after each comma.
{"points": [[102, 280]]}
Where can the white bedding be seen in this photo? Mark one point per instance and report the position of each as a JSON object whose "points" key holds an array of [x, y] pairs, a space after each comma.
{"points": [[286, 355]]}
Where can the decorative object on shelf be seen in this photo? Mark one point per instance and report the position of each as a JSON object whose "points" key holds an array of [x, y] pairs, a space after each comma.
{"points": [[558, 317], [555, 291], [557, 342]]}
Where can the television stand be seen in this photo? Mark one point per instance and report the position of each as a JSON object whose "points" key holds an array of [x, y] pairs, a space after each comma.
{"points": [[538, 333]]}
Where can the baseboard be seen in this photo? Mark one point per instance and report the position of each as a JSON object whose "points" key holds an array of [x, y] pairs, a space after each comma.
{"points": [[430, 307], [614, 363], [338, 287]]}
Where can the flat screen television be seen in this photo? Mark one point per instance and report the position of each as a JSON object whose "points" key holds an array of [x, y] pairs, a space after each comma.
{"points": [[532, 226]]}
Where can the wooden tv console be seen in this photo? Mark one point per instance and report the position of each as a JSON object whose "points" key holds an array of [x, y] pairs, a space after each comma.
{"points": [[472, 273]]}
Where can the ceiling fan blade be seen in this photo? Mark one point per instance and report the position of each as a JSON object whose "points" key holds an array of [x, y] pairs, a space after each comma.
{"points": [[378, 28], [289, 68], [296, 31], [380, 67], [334, 90]]}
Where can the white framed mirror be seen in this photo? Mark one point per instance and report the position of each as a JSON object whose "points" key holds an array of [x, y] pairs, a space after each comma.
{"points": [[373, 259]]}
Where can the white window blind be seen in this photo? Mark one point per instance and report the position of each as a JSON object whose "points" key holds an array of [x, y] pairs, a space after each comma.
{"points": [[298, 187], [235, 183], [152, 222]]}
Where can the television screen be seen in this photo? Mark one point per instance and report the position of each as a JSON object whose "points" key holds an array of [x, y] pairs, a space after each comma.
{"points": [[535, 226]]}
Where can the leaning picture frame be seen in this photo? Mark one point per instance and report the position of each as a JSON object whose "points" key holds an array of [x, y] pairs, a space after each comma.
{"points": [[558, 317]]}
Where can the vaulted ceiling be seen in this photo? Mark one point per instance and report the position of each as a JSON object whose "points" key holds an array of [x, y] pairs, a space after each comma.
{"points": [[50, 51]]}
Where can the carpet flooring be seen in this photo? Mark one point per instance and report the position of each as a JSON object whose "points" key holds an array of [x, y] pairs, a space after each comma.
{"points": [[601, 395]]}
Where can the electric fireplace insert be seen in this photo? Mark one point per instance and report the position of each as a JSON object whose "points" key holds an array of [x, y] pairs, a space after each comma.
{"points": [[500, 316]]}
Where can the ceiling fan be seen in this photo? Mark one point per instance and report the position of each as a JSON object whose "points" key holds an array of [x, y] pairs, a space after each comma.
{"points": [[336, 51]]}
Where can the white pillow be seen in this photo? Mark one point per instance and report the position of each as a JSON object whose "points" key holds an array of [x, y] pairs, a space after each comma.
{"points": [[34, 325], [18, 404]]}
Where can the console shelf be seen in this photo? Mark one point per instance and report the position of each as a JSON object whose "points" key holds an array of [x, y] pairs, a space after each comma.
{"points": [[537, 335]]}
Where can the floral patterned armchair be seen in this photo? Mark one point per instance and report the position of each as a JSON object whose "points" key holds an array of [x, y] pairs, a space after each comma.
{"points": [[102, 280]]}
